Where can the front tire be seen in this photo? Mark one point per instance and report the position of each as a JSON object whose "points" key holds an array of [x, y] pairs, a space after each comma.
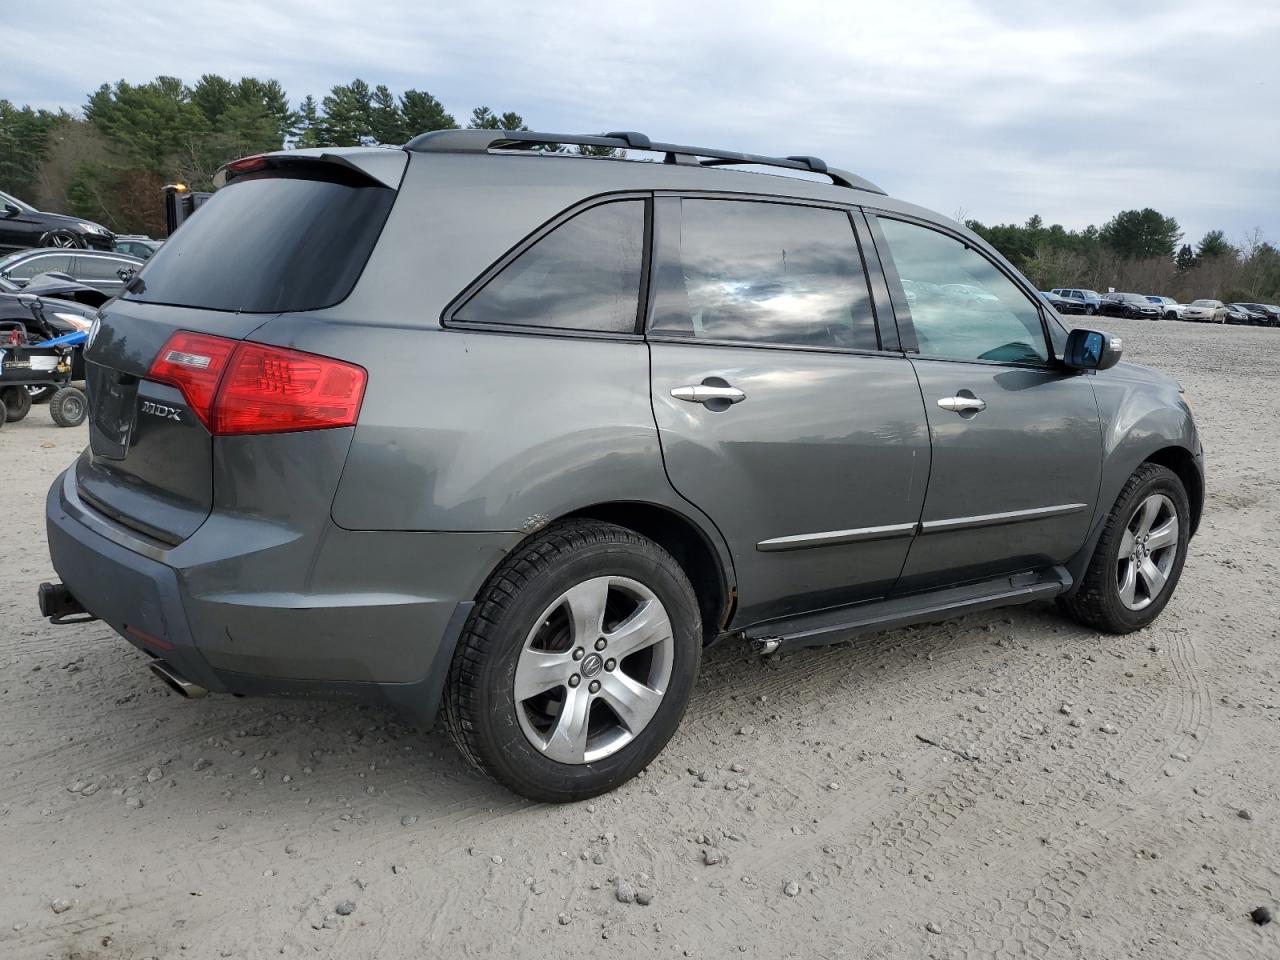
{"points": [[61, 238], [1139, 557], [577, 663]]}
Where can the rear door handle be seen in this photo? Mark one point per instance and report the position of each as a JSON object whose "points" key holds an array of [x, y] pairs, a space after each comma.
{"points": [[703, 393], [963, 404]]}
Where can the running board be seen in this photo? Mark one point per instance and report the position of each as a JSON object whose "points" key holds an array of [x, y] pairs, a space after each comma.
{"points": [[842, 623]]}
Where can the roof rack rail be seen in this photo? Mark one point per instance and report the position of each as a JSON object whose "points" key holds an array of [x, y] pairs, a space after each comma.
{"points": [[482, 141]]}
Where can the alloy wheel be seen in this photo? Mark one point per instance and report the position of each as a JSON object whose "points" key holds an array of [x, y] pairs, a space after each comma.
{"points": [[1148, 551], [594, 669]]}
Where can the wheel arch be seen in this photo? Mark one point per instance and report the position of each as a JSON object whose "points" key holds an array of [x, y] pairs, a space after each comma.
{"points": [[1182, 462], [710, 572]]}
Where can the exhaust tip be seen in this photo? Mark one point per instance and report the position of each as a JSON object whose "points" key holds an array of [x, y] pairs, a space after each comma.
{"points": [[176, 681]]}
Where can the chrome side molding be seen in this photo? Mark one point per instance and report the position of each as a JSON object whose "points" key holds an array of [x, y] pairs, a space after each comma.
{"points": [[832, 537]]}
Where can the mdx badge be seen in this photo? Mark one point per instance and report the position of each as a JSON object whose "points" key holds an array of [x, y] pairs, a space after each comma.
{"points": [[161, 410]]}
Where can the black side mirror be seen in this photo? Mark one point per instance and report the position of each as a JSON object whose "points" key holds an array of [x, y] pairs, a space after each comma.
{"points": [[10, 210], [1092, 350]]}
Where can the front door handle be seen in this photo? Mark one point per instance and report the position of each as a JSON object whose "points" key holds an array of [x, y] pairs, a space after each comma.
{"points": [[963, 404], [705, 393]]}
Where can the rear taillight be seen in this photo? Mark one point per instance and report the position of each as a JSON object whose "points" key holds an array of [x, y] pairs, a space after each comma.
{"points": [[194, 363], [237, 388]]}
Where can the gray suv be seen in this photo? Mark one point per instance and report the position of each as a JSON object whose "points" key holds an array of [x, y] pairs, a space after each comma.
{"points": [[482, 425]]}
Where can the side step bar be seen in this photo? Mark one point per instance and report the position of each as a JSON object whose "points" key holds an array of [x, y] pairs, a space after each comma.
{"points": [[841, 623]]}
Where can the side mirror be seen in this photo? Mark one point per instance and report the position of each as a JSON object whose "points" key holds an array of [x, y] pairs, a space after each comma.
{"points": [[1092, 350], [10, 210]]}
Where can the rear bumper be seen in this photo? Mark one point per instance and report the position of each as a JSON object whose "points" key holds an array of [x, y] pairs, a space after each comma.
{"points": [[243, 607]]}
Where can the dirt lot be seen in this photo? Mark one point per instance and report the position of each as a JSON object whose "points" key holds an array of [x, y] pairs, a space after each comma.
{"points": [[1123, 800]]}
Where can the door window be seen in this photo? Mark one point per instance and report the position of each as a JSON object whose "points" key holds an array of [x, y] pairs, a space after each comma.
{"points": [[98, 269], [45, 263], [962, 306], [760, 272], [583, 275]]}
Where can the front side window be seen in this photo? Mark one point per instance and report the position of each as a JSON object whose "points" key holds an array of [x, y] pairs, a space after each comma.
{"points": [[964, 308], [101, 268], [758, 272], [583, 275]]}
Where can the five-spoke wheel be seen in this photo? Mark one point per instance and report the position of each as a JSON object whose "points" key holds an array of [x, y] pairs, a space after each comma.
{"points": [[594, 669], [576, 663]]}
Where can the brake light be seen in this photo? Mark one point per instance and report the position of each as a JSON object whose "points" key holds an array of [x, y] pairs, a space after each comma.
{"points": [[242, 388], [194, 363]]}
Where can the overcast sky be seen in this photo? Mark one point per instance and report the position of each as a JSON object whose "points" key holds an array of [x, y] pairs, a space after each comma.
{"points": [[993, 108]]}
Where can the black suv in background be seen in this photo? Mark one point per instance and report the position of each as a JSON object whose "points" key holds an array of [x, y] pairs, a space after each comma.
{"points": [[1132, 305], [23, 226]]}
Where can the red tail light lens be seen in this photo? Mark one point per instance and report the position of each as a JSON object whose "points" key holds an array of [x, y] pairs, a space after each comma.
{"points": [[194, 363], [268, 390], [239, 388]]}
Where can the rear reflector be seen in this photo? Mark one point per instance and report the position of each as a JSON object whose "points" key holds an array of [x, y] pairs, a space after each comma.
{"points": [[238, 388]]}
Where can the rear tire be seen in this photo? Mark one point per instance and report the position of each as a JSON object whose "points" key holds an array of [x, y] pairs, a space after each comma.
{"points": [[531, 690], [17, 403], [1137, 550], [69, 407]]}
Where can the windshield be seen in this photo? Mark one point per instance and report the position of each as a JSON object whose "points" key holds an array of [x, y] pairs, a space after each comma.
{"points": [[24, 207], [1204, 303]]}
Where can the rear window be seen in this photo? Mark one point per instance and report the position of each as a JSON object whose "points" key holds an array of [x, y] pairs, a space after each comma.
{"points": [[267, 243]]}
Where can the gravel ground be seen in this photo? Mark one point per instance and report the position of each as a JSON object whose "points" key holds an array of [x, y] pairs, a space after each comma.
{"points": [[1121, 799]]}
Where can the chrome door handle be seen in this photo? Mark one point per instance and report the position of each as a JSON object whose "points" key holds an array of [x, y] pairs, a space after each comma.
{"points": [[702, 393], [963, 404]]}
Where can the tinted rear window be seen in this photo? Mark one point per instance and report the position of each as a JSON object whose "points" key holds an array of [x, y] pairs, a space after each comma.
{"points": [[267, 243]]}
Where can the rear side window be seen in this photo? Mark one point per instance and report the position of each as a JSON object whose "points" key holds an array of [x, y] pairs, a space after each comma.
{"points": [[267, 243], [583, 275], [45, 263], [760, 272]]}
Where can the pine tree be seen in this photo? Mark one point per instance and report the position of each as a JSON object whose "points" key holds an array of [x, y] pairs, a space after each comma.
{"points": [[388, 122], [1186, 259], [422, 113]]}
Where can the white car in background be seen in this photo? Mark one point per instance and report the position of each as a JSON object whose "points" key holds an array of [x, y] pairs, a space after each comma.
{"points": [[1170, 309]]}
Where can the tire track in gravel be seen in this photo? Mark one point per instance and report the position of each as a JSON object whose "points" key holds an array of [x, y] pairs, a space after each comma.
{"points": [[1036, 911]]}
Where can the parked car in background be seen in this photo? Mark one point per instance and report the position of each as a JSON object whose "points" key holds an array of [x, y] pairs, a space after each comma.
{"points": [[1090, 300], [1132, 305], [1205, 311], [1263, 314], [23, 226], [1170, 308], [1239, 314], [104, 271], [137, 246], [283, 493], [1062, 304]]}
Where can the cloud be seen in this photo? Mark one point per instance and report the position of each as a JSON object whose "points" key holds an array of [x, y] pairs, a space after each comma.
{"points": [[1001, 109]]}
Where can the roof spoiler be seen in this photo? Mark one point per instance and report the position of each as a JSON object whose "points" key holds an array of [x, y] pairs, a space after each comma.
{"points": [[482, 141], [383, 166]]}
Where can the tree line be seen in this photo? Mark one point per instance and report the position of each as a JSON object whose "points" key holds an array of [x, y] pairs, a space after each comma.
{"points": [[1140, 251], [109, 163]]}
